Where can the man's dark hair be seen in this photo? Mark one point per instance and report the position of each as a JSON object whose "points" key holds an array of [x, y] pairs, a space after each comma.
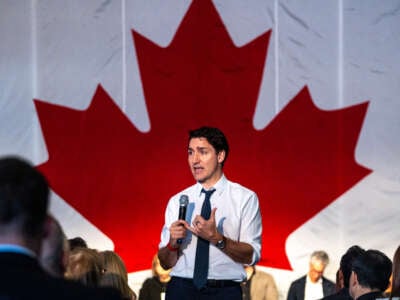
{"points": [[77, 242], [373, 269], [346, 262], [24, 193], [214, 136]]}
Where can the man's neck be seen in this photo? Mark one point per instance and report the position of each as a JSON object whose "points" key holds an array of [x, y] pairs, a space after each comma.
{"points": [[363, 291], [13, 240], [10, 248], [319, 280], [211, 182]]}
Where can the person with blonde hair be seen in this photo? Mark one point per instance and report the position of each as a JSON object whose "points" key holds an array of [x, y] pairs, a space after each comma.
{"points": [[85, 266], [395, 291], [115, 274], [154, 288]]}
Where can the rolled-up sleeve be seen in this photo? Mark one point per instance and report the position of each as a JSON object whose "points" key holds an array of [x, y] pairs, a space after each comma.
{"points": [[251, 229]]}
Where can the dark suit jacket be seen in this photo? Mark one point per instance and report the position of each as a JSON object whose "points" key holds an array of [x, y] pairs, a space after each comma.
{"points": [[371, 296], [297, 288], [21, 277], [343, 294]]}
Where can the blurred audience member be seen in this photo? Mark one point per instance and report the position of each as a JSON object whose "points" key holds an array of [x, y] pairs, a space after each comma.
{"points": [[388, 291], [77, 242], [339, 284], [115, 274], [55, 249], [259, 285], [313, 285], [370, 275], [394, 286], [24, 201], [85, 266], [344, 272], [154, 288]]}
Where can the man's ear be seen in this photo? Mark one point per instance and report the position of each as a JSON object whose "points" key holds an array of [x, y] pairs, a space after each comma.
{"points": [[221, 156], [340, 278], [353, 279], [65, 256], [48, 223]]}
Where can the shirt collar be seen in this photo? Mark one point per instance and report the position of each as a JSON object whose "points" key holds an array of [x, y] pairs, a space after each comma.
{"points": [[218, 186], [11, 248], [319, 281]]}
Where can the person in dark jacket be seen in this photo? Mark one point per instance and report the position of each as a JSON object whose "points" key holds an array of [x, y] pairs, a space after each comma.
{"points": [[24, 200], [370, 275], [344, 273], [154, 288], [313, 285]]}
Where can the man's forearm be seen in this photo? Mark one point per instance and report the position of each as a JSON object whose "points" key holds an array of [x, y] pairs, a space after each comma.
{"points": [[240, 252], [168, 257]]}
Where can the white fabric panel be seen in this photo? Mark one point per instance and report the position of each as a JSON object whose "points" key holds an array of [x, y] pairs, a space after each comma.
{"points": [[371, 68], [19, 124], [371, 63], [79, 47], [303, 51]]}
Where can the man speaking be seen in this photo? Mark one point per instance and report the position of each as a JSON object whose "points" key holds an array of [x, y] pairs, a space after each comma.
{"points": [[221, 231]]}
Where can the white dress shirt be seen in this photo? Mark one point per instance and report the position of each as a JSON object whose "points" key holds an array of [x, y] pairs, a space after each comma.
{"points": [[313, 291], [237, 217]]}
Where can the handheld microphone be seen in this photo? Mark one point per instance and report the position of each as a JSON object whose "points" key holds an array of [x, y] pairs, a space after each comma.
{"points": [[183, 203]]}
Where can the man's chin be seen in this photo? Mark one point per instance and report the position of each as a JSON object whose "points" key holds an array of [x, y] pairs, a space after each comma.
{"points": [[200, 180]]}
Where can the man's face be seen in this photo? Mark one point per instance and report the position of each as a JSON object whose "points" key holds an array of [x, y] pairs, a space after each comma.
{"points": [[204, 162], [316, 270]]}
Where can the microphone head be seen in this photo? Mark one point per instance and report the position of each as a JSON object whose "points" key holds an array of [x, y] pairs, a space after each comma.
{"points": [[183, 200]]}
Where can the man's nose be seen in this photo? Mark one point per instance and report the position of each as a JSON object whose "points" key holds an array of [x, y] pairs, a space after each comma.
{"points": [[195, 157]]}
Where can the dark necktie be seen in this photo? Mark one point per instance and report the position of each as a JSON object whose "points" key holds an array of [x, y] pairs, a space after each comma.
{"points": [[201, 263]]}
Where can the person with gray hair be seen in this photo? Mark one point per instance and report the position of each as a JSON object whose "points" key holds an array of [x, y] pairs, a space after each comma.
{"points": [[313, 285]]}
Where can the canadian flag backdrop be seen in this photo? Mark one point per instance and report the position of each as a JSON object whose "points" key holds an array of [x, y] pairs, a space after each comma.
{"points": [[100, 95]]}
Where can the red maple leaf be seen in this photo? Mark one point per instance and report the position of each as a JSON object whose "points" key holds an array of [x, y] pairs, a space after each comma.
{"points": [[121, 179]]}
